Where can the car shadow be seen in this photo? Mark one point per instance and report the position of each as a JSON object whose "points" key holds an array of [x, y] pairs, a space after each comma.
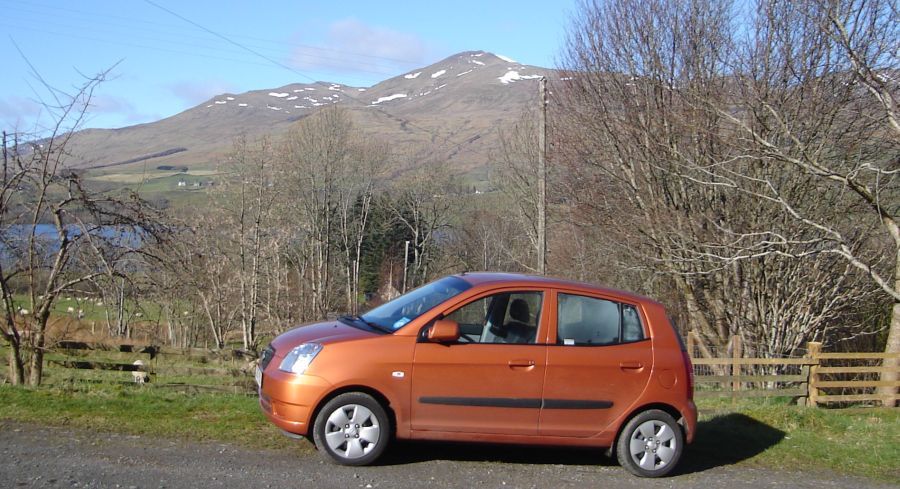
{"points": [[726, 440], [410, 452], [721, 440]]}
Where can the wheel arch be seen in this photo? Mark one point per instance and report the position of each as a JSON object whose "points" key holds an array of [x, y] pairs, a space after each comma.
{"points": [[666, 408], [376, 394]]}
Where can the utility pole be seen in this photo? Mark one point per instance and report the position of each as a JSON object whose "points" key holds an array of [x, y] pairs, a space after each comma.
{"points": [[4, 157], [542, 178], [405, 261]]}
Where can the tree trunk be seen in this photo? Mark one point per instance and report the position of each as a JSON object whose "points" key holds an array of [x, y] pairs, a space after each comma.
{"points": [[37, 358], [893, 344], [16, 367]]}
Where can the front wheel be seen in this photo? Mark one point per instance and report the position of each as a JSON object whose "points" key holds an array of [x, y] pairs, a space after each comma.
{"points": [[352, 429], [650, 445]]}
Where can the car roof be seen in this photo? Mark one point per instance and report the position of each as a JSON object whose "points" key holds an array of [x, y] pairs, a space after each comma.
{"points": [[488, 278]]}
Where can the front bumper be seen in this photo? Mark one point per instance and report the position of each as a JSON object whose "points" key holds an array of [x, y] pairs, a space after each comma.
{"points": [[288, 399]]}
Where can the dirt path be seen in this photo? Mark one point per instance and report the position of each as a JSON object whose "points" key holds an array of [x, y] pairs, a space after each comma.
{"points": [[38, 456]]}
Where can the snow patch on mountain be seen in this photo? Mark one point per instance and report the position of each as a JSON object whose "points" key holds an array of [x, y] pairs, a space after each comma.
{"points": [[513, 75], [410, 76], [229, 98], [273, 108], [278, 94], [438, 73], [465, 73], [221, 102], [242, 105], [389, 98], [506, 58], [477, 62]]}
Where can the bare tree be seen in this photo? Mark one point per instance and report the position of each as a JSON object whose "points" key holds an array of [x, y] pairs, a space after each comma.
{"points": [[57, 232], [355, 199], [249, 198], [316, 155], [422, 203], [516, 175], [641, 143]]}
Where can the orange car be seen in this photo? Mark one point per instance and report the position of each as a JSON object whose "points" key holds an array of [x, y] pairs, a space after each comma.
{"points": [[489, 357]]}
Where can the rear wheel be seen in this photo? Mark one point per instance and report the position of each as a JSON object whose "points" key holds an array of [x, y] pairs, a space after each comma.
{"points": [[352, 429], [650, 445]]}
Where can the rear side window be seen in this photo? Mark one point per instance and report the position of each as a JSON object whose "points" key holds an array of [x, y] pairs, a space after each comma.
{"points": [[590, 321]]}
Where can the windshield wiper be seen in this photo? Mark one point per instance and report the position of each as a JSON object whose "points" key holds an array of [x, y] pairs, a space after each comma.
{"points": [[376, 326]]}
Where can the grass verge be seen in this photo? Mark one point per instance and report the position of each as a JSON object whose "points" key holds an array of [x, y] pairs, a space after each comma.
{"points": [[195, 417], [853, 441]]}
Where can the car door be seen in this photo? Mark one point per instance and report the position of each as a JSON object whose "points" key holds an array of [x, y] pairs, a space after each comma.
{"points": [[598, 363], [489, 381]]}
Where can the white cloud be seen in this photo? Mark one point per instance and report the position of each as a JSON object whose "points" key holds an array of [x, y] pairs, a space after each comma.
{"points": [[120, 108], [356, 47], [16, 112], [194, 92]]}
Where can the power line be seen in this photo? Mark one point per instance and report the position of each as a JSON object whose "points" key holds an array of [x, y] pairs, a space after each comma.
{"points": [[292, 70], [365, 63], [92, 16]]}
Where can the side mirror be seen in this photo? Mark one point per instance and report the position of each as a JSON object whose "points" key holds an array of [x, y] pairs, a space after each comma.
{"points": [[444, 331]]}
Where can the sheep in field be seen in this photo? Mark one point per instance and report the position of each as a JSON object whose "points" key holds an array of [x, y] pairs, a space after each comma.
{"points": [[139, 375]]}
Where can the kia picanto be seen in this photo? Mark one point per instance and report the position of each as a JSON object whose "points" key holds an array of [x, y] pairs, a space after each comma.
{"points": [[489, 357]]}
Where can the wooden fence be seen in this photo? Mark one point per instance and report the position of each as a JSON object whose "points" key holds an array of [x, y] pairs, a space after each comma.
{"points": [[229, 368], [816, 379]]}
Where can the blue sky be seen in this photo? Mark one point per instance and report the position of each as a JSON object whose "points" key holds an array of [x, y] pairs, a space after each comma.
{"points": [[167, 62]]}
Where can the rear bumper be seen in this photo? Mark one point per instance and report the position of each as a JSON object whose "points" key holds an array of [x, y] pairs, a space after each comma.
{"points": [[689, 415], [288, 400]]}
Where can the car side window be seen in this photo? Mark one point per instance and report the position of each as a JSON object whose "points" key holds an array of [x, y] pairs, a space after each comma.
{"points": [[632, 330], [509, 317], [585, 320]]}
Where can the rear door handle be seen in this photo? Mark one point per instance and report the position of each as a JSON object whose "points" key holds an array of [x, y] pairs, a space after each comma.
{"points": [[631, 365], [521, 363]]}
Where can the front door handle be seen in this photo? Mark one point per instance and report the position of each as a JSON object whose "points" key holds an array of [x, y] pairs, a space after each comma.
{"points": [[521, 363], [631, 365]]}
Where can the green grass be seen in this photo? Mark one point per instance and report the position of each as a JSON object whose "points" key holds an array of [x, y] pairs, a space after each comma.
{"points": [[134, 410], [92, 312], [773, 433]]}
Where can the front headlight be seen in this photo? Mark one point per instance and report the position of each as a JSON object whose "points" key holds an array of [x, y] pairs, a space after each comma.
{"points": [[299, 358]]}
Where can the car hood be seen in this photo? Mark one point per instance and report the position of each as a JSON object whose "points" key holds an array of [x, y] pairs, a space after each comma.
{"points": [[324, 333]]}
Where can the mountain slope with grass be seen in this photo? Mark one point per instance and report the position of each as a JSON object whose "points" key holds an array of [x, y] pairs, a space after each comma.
{"points": [[450, 112]]}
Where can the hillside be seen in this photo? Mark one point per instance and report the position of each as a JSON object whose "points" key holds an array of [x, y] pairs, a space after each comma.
{"points": [[449, 112]]}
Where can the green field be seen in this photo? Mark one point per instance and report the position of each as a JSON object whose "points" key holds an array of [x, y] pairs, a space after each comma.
{"points": [[92, 308]]}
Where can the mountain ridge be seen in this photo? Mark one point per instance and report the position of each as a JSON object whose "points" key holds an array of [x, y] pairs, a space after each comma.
{"points": [[456, 103]]}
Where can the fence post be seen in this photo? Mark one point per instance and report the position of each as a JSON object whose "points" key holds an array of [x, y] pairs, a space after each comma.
{"points": [[813, 349], [690, 343], [736, 354]]}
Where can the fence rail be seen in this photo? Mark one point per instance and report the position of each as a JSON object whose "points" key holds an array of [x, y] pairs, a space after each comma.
{"points": [[194, 370], [819, 381]]}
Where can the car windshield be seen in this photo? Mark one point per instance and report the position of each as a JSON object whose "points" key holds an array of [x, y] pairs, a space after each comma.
{"points": [[395, 314]]}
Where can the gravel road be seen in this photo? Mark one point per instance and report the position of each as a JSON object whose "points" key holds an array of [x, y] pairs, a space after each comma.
{"points": [[39, 456]]}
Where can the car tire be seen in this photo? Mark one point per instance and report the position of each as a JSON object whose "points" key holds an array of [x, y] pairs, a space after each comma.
{"points": [[352, 429], [650, 444]]}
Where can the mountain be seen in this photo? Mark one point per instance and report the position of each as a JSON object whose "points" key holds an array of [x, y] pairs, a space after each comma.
{"points": [[449, 112]]}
